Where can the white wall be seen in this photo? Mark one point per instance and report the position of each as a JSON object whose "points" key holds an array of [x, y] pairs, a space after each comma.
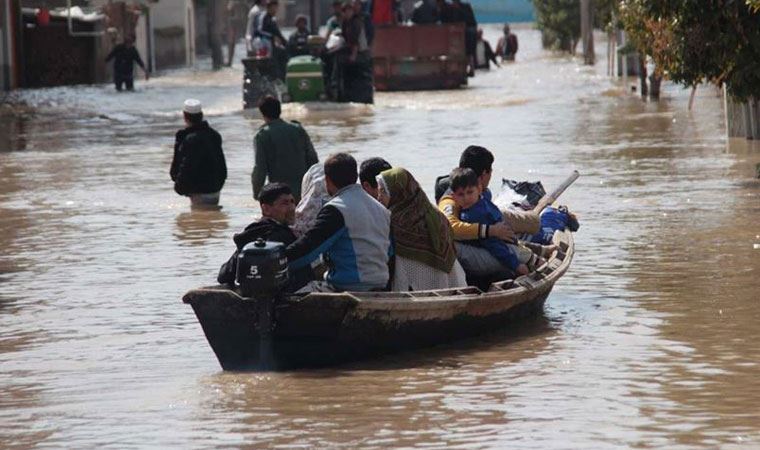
{"points": [[169, 13], [141, 41], [176, 13]]}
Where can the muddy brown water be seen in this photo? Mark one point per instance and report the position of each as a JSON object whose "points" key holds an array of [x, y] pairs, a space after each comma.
{"points": [[650, 340]]}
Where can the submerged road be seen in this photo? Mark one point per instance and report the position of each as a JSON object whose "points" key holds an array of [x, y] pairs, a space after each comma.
{"points": [[649, 340]]}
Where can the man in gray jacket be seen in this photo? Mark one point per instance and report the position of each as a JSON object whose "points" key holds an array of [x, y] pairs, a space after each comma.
{"points": [[284, 151], [352, 230]]}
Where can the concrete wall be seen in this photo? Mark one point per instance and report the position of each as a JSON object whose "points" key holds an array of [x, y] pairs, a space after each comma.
{"points": [[173, 24], [143, 42]]}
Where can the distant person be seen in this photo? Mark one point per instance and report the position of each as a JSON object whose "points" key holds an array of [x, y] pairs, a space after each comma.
{"points": [[269, 31], [335, 20], [352, 231], [361, 9], [124, 56], [368, 172], [464, 10], [198, 168], [446, 14], [277, 214], [425, 12], [484, 54], [252, 25], [383, 12], [424, 254], [283, 150], [298, 42], [507, 45], [352, 71]]}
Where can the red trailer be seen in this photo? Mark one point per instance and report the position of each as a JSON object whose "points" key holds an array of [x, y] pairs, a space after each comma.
{"points": [[419, 57]]}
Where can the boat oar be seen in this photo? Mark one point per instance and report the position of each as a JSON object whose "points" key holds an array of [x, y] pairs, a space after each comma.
{"points": [[548, 199]]}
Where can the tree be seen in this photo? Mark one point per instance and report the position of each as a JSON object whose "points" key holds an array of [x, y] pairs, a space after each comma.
{"points": [[696, 41], [559, 22]]}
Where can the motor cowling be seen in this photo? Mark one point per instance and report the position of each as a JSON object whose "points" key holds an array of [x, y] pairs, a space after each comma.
{"points": [[262, 269]]}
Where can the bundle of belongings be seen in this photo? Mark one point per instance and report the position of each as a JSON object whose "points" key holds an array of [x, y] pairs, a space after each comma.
{"points": [[526, 195]]}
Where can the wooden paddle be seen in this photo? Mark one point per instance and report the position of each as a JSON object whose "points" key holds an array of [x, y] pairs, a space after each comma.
{"points": [[548, 199]]}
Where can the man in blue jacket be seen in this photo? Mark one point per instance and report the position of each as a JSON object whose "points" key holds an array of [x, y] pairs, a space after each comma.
{"points": [[352, 231]]}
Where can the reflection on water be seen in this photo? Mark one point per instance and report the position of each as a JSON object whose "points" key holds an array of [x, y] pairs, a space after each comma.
{"points": [[13, 132], [648, 341], [200, 224]]}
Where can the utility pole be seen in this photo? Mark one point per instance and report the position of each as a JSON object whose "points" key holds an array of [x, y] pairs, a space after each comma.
{"points": [[313, 17], [587, 31]]}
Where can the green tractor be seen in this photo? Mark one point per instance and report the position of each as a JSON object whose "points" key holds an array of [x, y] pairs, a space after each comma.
{"points": [[306, 80]]}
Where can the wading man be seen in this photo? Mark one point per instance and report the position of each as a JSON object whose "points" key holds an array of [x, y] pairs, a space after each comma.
{"points": [[283, 150], [198, 168]]}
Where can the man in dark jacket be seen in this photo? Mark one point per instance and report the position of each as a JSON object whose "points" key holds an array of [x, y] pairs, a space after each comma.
{"points": [[270, 31], [352, 73], [283, 150], [124, 56], [198, 168], [462, 12], [484, 54], [278, 209]]}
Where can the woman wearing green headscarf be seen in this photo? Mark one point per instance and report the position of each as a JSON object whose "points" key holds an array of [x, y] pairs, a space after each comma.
{"points": [[425, 257]]}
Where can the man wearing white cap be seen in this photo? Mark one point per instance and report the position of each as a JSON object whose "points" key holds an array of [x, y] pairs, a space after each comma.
{"points": [[198, 168]]}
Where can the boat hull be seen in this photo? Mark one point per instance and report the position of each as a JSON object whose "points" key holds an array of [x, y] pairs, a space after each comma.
{"points": [[321, 329]]}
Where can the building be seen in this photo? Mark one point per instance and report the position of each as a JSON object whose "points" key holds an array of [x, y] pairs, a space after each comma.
{"points": [[173, 33], [50, 43]]}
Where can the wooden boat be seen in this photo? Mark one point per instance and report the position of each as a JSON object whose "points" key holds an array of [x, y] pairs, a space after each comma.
{"points": [[319, 329]]}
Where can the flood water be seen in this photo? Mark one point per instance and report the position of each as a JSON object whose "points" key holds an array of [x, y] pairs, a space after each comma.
{"points": [[650, 340]]}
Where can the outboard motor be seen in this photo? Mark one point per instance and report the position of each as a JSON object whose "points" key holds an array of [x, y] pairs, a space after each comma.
{"points": [[262, 269], [262, 272]]}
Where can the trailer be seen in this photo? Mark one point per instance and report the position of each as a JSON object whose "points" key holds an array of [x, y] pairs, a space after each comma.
{"points": [[419, 57]]}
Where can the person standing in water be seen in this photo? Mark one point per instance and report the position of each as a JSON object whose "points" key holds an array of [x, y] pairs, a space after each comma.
{"points": [[198, 168], [507, 46], [124, 56]]}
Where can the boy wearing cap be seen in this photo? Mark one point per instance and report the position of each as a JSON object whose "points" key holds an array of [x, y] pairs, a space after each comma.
{"points": [[198, 168]]}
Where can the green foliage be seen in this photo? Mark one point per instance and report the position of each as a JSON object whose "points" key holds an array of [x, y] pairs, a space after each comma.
{"points": [[606, 14], [693, 41], [559, 22]]}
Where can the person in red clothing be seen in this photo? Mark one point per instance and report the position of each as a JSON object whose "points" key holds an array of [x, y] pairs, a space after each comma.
{"points": [[382, 12]]}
